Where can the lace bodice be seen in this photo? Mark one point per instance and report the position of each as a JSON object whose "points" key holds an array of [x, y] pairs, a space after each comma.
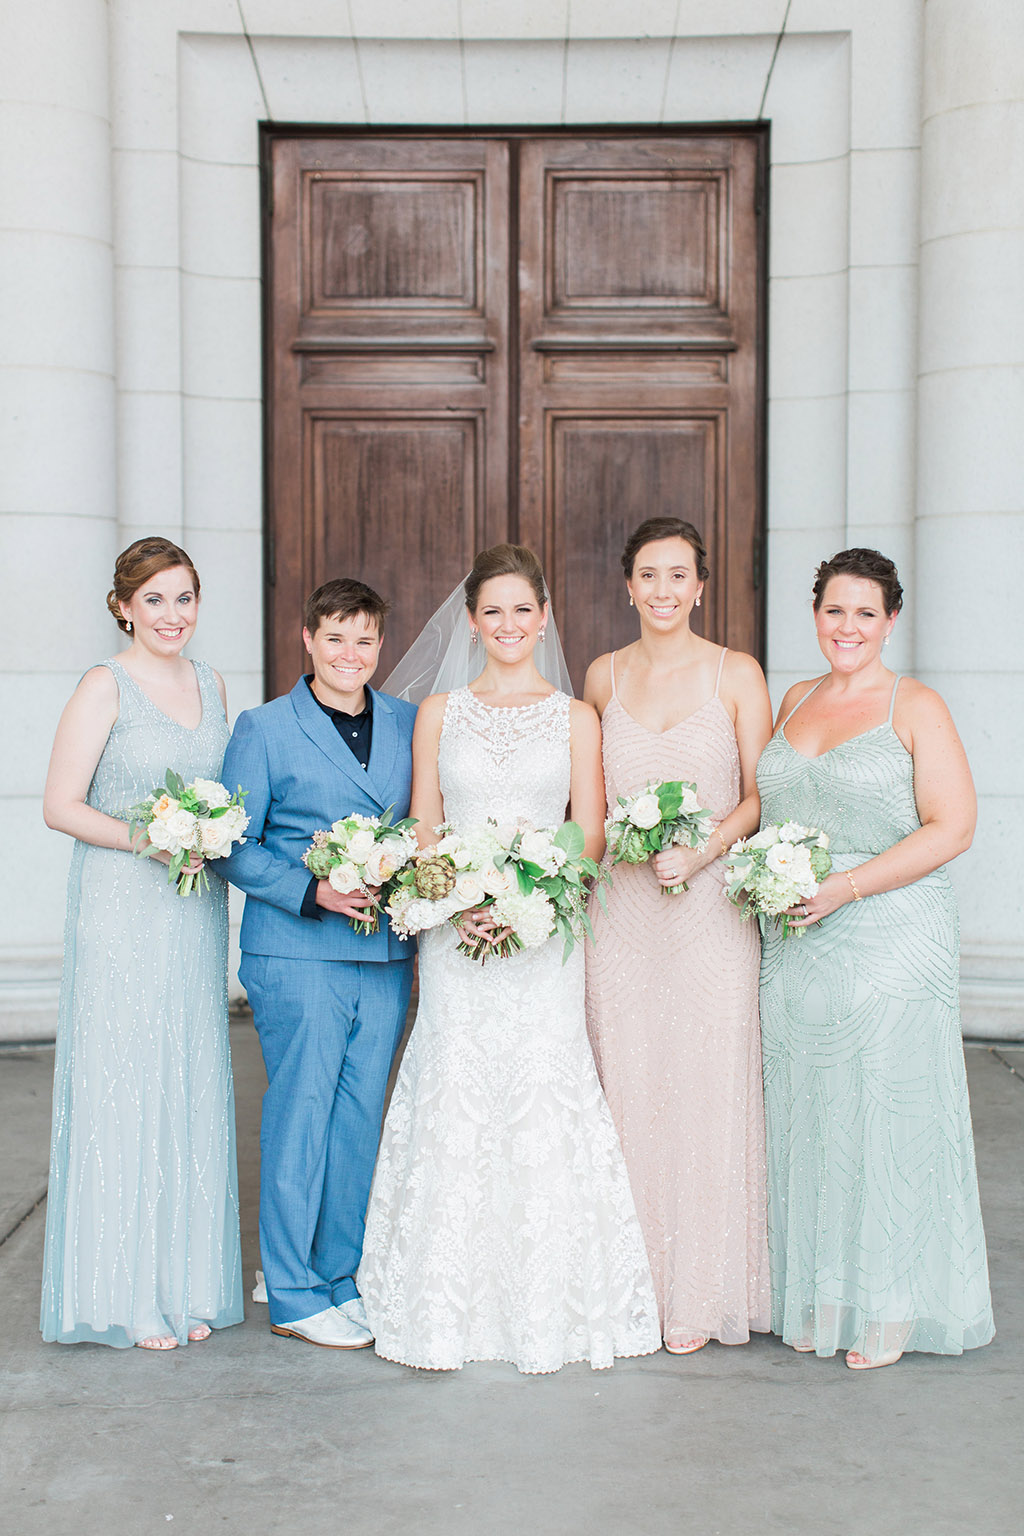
{"points": [[510, 764]]}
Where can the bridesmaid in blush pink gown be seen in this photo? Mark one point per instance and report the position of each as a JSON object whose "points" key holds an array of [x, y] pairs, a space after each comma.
{"points": [[672, 981]]}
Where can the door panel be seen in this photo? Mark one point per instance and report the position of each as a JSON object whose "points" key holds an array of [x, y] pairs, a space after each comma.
{"points": [[545, 337], [388, 362], [639, 325]]}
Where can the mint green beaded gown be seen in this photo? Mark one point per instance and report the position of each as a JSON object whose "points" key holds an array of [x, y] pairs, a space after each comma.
{"points": [[875, 1234]]}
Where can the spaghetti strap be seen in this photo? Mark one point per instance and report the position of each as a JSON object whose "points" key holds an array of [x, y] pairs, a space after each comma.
{"points": [[892, 701], [718, 679], [611, 668], [800, 701]]}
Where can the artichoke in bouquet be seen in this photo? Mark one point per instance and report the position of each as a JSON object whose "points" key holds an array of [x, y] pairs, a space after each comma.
{"points": [[435, 876]]}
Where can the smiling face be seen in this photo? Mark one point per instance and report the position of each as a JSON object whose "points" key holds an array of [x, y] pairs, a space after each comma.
{"points": [[345, 653], [852, 623], [163, 611], [508, 617], [664, 584]]}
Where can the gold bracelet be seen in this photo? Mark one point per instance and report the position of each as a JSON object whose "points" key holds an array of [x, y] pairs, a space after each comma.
{"points": [[853, 888], [725, 845]]}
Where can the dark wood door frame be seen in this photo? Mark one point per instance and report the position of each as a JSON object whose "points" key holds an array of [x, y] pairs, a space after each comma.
{"points": [[525, 516]]}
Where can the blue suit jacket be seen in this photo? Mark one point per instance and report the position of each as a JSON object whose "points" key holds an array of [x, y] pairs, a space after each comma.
{"points": [[300, 775]]}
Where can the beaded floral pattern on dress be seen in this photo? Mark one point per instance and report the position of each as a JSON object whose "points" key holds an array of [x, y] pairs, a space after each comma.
{"points": [[501, 1224]]}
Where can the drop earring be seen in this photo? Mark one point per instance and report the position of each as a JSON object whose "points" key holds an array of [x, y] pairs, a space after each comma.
{"points": [[541, 633], [886, 640], [697, 603], [476, 636], [128, 626], [631, 599]]}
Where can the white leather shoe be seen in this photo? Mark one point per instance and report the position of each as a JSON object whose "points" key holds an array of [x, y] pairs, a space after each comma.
{"points": [[329, 1329], [259, 1292], [355, 1312]]}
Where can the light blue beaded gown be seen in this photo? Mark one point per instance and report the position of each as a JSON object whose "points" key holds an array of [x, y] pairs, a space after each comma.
{"points": [[142, 1211], [875, 1235]]}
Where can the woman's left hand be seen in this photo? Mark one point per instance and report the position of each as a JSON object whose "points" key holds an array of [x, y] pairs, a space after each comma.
{"points": [[833, 892]]}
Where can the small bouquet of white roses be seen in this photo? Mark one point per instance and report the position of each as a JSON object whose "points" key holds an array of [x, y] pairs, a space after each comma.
{"points": [[773, 870], [360, 851], [530, 881], [659, 816], [184, 819]]}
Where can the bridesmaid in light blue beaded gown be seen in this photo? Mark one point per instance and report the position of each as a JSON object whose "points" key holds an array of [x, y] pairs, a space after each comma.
{"points": [[142, 1241], [875, 1232]]}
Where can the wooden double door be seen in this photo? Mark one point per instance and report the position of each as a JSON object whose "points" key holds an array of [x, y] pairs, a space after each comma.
{"points": [[540, 337]]}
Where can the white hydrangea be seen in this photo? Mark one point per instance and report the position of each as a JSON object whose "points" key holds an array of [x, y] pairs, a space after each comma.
{"points": [[531, 917]]}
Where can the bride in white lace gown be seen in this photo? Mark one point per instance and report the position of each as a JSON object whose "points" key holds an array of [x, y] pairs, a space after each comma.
{"points": [[501, 1224]]}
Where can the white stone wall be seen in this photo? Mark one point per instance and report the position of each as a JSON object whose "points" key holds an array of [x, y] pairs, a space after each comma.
{"points": [[874, 434]]}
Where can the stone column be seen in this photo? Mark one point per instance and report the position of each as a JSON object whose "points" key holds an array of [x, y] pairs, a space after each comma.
{"points": [[57, 461], [967, 609]]}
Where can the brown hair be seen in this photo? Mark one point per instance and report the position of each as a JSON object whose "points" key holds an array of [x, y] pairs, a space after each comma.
{"points": [[656, 528], [867, 565], [505, 560], [139, 563], [343, 599]]}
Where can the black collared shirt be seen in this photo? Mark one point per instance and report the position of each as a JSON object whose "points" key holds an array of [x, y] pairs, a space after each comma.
{"points": [[356, 731]]}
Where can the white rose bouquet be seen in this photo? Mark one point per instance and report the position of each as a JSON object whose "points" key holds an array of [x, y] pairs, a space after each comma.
{"points": [[773, 870], [360, 851], [660, 816], [201, 819], [530, 881]]}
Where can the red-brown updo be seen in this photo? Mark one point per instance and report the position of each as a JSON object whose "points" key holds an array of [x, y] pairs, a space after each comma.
{"points": [[139, 563]]}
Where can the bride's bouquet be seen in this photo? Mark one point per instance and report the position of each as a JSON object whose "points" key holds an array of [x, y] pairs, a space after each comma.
{"points": [[773, 870], [360, 851], [530, 881], [182, 819], [659, 816]]}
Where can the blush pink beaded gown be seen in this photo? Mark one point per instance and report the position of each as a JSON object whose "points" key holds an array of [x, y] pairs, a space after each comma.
{"points": [[672, 1016]]}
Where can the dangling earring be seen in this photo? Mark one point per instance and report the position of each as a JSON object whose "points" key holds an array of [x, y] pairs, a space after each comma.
{"points": [[541, 633], [128, 626], [697, 603], [476, 636], [886, 640], [631, 599]]}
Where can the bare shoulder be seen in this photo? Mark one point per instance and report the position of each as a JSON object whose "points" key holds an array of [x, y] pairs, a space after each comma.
{"points": [[597, 685], [920, 707], [431, 712], [792, 697], [98, 689], [741, 671], [583, 717]]}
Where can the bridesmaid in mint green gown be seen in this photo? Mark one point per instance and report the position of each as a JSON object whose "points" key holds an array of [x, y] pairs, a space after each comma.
{"points": [[142, 1243], [874, 1224]]}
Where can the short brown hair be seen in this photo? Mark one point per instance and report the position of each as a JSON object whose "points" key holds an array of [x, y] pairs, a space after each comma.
{"points": [[505, 560], [343, 599], [656, 528], [867, 565], [139, 563]]}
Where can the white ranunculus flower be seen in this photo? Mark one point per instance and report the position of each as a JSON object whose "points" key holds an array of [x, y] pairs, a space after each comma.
{"points": [[469, 889], [184, 828], [215, 838], [213, 793], [159, 835], [689, 802], [791, 832], [496, 882], [765, 838], [360, 845], [345, 879], [779, 858], [645, 812], [382, 863], [539, 848]]}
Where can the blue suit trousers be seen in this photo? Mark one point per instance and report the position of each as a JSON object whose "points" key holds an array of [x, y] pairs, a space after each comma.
{"points": [[328, 1030]]}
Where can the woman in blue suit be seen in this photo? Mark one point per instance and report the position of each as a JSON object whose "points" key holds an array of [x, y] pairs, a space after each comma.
{"points": [[329, 1003]]}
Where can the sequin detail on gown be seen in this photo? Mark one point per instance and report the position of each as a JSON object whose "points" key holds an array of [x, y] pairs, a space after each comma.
{"points": [[501, 1224], [875, 1228], [672, 1016], [142, 1209]]}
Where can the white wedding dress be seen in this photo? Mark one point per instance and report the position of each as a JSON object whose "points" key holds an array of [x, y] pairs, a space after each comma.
{"points": [[501, 1225]]}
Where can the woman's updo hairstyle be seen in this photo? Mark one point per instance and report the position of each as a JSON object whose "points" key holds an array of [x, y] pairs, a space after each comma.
{"points": [[505, 560], [656, 528], [866, 565], [139, 563]]}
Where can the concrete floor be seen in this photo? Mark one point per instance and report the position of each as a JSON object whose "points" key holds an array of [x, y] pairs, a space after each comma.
{"points": [[254, 1435]]}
